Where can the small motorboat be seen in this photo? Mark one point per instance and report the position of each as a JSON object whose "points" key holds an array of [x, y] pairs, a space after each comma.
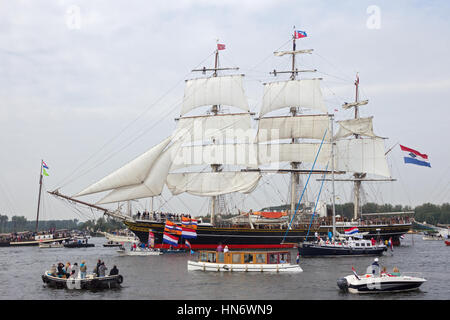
{"points": [[78, 245], [139, 252], [343, 247], [244, 261], [90, 282], [428, 236], [375, 281], [51, 245], [112, 244], [170, 251]]}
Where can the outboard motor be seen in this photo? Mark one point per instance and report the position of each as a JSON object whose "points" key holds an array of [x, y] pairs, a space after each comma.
{"points": [[343, 284]]}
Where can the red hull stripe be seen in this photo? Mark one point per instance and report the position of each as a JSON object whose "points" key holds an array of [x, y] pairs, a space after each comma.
{"points": [[236, 246]]}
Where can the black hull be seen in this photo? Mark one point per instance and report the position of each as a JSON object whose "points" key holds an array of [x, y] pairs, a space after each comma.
{"points": [[107, 282], [79, 245], [209, 237], [315, 250]]}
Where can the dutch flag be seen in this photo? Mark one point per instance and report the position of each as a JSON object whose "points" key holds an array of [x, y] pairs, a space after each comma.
{"points": [[172, 240], [351, 230], [414, 157], [188, 233]]}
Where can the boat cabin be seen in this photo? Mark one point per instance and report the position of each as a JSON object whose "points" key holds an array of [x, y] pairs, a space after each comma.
{"points": [[245, 257]]}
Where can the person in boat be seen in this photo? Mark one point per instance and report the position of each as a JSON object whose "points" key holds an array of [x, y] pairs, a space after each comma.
{"points": [[83, 269], [372, 240], [219, 247], [225, 250], [68, 269], [395, 272], [102, 270], [61, 272], [96, 269], [76, 268], [114, 271], [53, 270], [72, 275]]}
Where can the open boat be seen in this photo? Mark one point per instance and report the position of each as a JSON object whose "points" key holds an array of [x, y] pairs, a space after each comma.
{"points": [[246, 261], [139, 252], [51, 245], [375, 281], [90, 282]]}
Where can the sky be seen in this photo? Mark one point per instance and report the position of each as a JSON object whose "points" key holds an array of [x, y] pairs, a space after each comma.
{"points": [[88, 86]]}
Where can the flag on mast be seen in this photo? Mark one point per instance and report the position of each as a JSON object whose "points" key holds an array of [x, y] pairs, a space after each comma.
{"points": [[220, 46], [415, 157], [44, 166], [298, 34]]}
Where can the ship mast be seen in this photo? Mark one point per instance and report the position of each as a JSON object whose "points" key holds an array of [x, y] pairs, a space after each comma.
{"points": [[216, 167], [39, 198], [358, 176], [295, 177]]}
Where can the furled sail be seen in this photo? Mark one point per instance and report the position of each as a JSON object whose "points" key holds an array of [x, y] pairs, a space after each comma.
{"points": [[222, 90], [294, 152], [212, 183], [362, 156], [305, 126], [153, 183], [132, 173], [359, 126], [293, 93]]}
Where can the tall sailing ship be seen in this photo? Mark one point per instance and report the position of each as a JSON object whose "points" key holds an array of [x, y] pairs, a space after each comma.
{"points": [[218, 153]]}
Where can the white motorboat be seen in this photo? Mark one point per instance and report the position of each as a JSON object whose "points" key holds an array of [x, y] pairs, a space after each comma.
{"points": [[139, 252], [51, 245], [374, 281], [243, 261]]}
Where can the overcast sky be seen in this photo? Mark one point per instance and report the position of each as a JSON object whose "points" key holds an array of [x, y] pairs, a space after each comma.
{"points": [[89, 85]]}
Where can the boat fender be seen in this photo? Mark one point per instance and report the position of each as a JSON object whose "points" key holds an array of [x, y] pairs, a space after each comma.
{"points": [[120, 279], [246, 268]]}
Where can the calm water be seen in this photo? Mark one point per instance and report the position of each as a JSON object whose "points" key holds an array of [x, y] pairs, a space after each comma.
{"points": [[166, 276]]}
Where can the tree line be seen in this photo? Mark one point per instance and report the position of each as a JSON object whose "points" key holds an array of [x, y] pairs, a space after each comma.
{"points": [[20, 223]]}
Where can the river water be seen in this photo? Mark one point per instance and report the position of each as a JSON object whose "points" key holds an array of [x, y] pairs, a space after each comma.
{"points": [[166, 276]]}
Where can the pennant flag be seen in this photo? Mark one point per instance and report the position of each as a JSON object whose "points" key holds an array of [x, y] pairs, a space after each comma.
{"points": [[188, 233], [193, 224], [168, 238], [356, 275], [299, 34], [44, 172], [220, 46], [188, 244], [414, 157], [44, 165], [351, 230]]}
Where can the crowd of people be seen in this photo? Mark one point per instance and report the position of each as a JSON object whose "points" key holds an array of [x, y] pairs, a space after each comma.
{"points": [[160, 216], [75, 271]]}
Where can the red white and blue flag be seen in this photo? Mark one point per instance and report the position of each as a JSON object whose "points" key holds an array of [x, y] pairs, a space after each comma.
{"points": [[414, 157], [44, 164], [299, 34], [170, 239], [188, 233], [352, 230]]}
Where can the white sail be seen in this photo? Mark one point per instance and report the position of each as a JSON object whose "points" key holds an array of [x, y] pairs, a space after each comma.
{"points": [[360, 126], [212, 183], [294, 152], [223, 90], [132, 173], [293, 93], [239, 154], [362, 156], [307, 126], [153, 183], [219, 127]]}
